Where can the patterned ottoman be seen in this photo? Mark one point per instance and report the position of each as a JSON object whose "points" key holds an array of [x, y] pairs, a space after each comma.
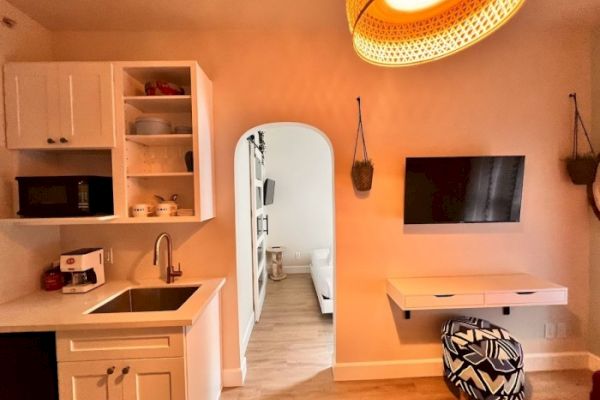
{"points": [[482, 360]]}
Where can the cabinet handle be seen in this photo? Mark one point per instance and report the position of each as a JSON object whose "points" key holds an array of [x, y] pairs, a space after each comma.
{"points": [[442, 296], [64, 140], [525, 293], [110, 371], [50, 141], [125, 371]]}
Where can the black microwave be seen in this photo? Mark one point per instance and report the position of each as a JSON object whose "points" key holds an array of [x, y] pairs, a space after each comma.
{"points": [[65, 196]]}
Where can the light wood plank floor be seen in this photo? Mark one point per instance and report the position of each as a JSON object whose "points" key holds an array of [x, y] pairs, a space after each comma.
{"points": [[289, 357]]}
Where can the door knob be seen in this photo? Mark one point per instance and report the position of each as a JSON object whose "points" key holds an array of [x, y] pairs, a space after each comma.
{"points": [[110, 371], [64, 140], [50, 141], [125, 371]]}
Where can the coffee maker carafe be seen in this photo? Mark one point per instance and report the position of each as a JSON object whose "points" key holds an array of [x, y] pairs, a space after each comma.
{"points": [[83, 270]]}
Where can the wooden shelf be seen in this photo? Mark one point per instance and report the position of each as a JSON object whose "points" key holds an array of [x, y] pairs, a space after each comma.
{"points": [[161, 140], [59, 221], [160, 104], [160, 174], [476, 291], [157, 220]]}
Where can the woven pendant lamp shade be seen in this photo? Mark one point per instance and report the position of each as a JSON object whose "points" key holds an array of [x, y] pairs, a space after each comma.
{"points": [[388, 37]]}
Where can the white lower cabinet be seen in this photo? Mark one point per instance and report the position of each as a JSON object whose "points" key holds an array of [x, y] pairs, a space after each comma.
{"points": [[144, 379], [172, 363]]}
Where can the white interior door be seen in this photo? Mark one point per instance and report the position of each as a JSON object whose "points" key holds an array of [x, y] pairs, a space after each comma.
{"points": [[259, 229]]}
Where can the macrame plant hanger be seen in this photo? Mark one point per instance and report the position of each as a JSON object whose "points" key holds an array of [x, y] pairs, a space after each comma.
{"points": [[362, 170], [581, 168]]}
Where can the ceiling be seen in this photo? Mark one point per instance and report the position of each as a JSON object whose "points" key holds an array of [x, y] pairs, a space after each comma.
{"points": [[308, 15]]}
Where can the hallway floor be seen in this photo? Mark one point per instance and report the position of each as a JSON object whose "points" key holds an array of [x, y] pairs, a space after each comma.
{"points": [[290, 356]]}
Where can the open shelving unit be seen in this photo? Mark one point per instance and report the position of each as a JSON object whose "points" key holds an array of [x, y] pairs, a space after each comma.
{"points": [[154, 165]]}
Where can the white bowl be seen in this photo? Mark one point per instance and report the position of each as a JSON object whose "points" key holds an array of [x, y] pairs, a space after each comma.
{"points": [[152, 126]]}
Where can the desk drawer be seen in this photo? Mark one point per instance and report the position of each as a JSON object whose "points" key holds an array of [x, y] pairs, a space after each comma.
{"points": [[526, 298], [444, 301], [119, 344]]}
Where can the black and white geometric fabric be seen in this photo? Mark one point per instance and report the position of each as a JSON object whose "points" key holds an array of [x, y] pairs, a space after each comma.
{"points": [[483, 360]]}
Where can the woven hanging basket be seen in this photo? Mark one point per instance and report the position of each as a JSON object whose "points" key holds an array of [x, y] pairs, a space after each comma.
{"points": [[581, 168], [389, 37], [362, 170]]}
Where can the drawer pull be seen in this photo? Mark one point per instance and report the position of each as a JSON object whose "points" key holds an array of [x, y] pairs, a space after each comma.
{"points": [[64, 140], [50, 141], [125, 371], [525, 293], [443, 296], [110, 371]]}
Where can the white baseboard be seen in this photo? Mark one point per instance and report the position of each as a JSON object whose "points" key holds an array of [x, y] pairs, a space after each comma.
{"points": [[296, 269], [247, 334], [396, 369], [594, 362], [235, 377]]}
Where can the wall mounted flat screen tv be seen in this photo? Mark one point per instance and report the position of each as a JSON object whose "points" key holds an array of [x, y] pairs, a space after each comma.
{"points": [[445, 190], [269, 191]]}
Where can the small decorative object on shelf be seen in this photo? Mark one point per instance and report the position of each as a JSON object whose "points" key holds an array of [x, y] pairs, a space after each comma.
{"points": [[581, 168], [162, 88], [189, 161], [362, 170]]}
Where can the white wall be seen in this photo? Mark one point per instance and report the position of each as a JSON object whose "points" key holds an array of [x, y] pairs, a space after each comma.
{"points": [[24, 251], [301, 216]]}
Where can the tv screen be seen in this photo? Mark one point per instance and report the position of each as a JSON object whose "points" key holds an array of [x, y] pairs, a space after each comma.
{"points": [[463, 189], [269, 191]]}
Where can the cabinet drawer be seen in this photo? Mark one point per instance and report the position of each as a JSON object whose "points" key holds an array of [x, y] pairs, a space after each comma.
{"points": [[525, 298], [444, 301], [119, 344]]}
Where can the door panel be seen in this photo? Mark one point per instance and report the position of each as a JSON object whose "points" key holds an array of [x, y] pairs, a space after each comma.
{"points": [[31, 93], [154, 379], [86, 98], [88, 380]]}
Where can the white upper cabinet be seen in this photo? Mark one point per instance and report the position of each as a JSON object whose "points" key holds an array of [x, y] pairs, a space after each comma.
{"points": [[31, 94], [86, 105], [59, 105]]}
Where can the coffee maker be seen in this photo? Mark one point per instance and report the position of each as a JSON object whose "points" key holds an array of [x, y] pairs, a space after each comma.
{"points": [[83, 270]]}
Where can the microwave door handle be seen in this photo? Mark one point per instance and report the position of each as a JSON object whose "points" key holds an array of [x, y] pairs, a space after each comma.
{"points": [[267, 228]]}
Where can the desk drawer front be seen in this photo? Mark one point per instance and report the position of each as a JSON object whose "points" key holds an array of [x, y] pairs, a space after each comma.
{"points": [[525, 298], [444, 301], [119, 344]]}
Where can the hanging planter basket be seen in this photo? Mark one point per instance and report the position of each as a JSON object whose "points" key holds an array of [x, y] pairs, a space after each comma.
{"points": [[581, 168], [362, 170]]}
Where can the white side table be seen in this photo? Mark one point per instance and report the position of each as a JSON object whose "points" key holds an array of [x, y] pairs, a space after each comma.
{"points": [[276, 271]]}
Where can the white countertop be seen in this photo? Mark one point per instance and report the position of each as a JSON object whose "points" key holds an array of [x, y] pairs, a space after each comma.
{"points": [[55, 311]]}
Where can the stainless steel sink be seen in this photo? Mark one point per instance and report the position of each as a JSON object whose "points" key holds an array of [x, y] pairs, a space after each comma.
{"points": [[147, 299]]}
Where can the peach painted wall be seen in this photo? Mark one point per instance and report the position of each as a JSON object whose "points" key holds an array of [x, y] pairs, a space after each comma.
{"points": [[595, 223], [24, 252], [507, 95]]}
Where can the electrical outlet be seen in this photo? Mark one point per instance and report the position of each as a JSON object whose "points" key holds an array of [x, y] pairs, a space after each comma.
{"points": [[561, 330], [108, 256], [297, 255], [550, 330]]}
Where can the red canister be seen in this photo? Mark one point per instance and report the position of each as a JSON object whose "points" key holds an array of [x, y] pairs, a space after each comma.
{"points": [[53, 279]]}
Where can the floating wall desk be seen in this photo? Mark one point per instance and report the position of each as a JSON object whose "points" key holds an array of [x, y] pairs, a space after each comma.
{"points": [[474, 291]]}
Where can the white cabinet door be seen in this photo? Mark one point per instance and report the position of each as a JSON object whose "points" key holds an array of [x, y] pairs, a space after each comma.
{"points": [[86, 105], [154, 379], [32, 109], [89, 380]]}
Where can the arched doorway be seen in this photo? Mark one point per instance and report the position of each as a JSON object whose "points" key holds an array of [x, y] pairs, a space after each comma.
{"points": [[299, 161]]}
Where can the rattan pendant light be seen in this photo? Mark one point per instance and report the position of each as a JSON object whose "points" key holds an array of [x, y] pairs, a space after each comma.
{"points": [[397, 33]]}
